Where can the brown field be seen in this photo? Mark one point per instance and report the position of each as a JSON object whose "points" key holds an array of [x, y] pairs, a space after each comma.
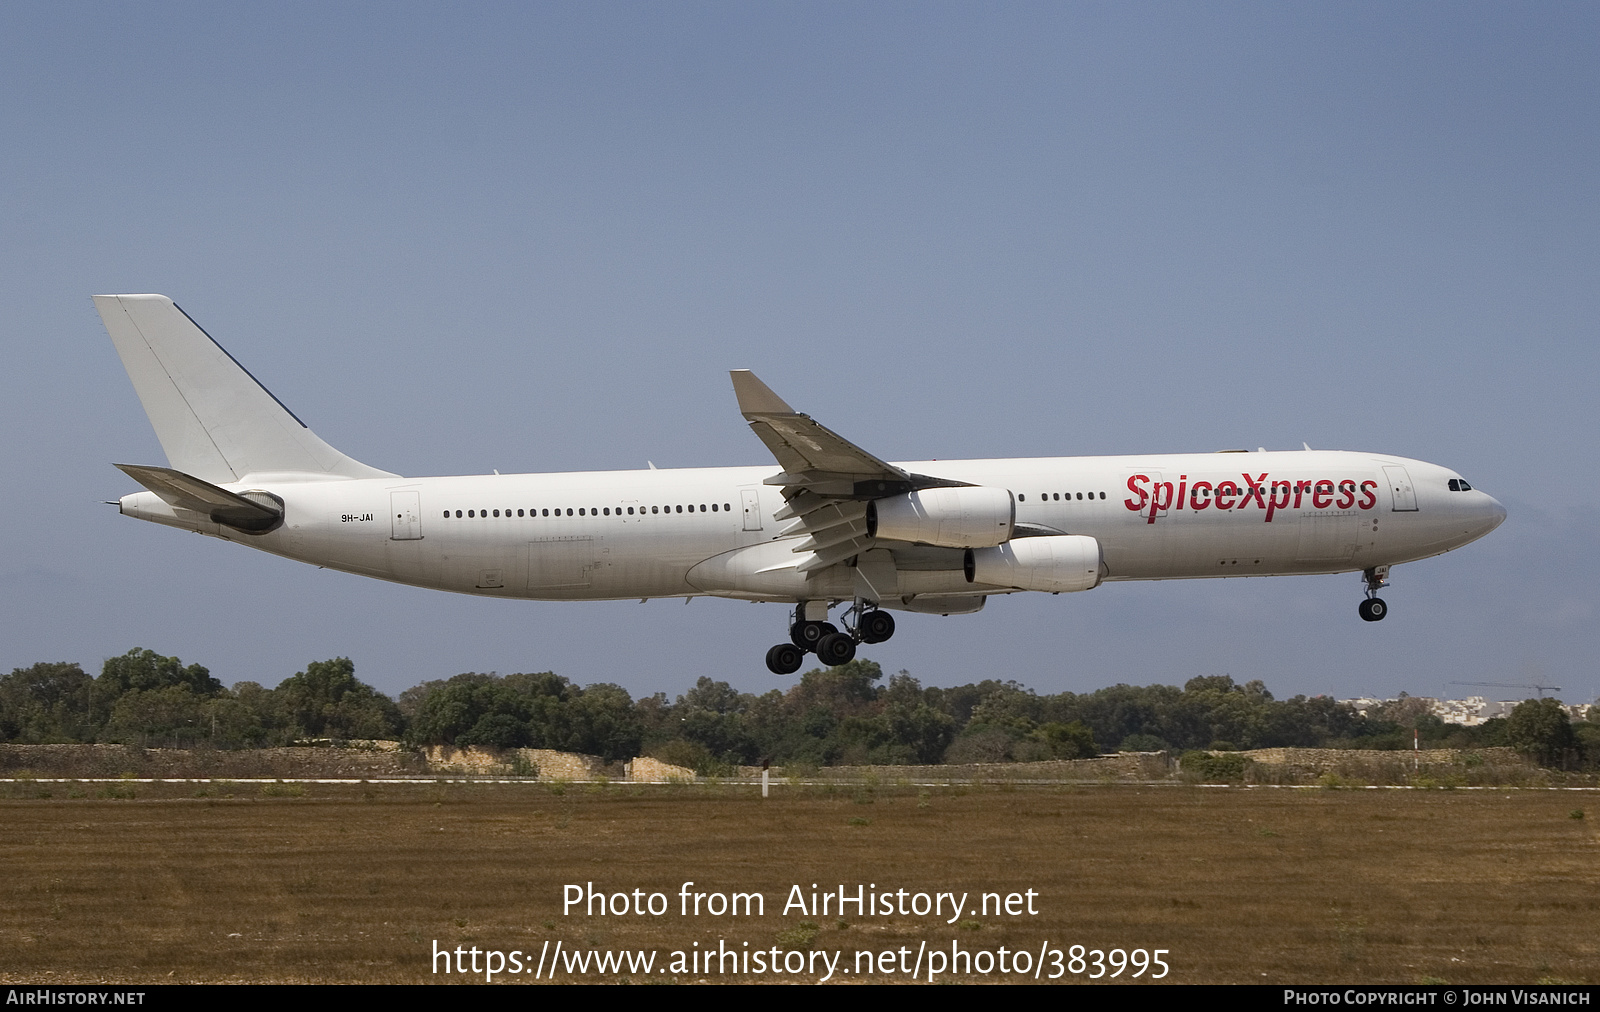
{"points": [[354, 883]]}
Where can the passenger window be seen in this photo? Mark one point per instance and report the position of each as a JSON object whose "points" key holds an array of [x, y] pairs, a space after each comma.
{"points": [[655, 509], [630, 511], [702, 507], [1022, 498], [713, 507], [726, 508], [680, 509]]}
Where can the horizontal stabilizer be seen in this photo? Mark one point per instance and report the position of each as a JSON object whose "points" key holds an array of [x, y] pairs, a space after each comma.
{"points": [[185, 491], [213, 418]]}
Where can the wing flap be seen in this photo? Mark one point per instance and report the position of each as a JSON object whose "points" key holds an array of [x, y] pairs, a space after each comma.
{"points": [[833, 536], [831, 556]]}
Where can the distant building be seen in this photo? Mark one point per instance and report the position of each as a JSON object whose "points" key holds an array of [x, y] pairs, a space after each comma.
{"points": [[1469, 712]]}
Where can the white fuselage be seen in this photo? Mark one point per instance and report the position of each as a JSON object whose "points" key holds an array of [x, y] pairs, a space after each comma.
{"points": [[663, 533]]}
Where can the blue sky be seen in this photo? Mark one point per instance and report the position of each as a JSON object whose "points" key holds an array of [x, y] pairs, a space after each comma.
{"points": [[535, 237]]}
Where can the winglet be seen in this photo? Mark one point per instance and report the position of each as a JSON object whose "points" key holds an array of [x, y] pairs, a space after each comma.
{"points": [[755, 397]]}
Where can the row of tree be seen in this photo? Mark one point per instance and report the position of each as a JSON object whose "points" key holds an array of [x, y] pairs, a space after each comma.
{"points": [[843, 715], [143, 698]]}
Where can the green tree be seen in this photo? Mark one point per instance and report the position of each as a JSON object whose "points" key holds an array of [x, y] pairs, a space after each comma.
{"points": [[47, 702], [152, 718], [326, 700], [452, 708], [922, 731], [1068, 741], [145, 670], [1540, 728], [844, 691], [601, 721]]}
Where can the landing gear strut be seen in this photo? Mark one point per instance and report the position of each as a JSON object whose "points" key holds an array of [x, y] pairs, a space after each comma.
{"points": [[811, 632], [1373, 609]]}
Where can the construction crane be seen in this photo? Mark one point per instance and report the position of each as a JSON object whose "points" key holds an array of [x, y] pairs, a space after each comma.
{"points": [[1514, 685]]}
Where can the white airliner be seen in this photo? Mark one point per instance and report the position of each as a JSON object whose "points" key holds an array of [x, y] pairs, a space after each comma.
{"points": [[834, 526]]}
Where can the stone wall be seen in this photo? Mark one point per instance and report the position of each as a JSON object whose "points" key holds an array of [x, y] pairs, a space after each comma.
{"points": [[177, 763], [647, 770], [502, 762], [1128, 767], [1324, 759], [384, 759]]}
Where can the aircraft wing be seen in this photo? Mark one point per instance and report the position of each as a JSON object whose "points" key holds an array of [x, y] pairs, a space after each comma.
{"points": [[810, 454], [827, 480]]}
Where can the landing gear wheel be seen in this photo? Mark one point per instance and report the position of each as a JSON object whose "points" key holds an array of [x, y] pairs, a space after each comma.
{"points": [[806, 635], [876, 626], [835, 649], [785, 659], [1373, 609]]}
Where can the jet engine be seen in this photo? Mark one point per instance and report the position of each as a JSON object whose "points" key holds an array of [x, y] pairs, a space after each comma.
{"points": [[1064, 562], [972, 516]]}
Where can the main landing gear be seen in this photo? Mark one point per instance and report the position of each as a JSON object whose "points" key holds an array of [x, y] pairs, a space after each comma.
{"points": [[811, 632], [1373, 609]]}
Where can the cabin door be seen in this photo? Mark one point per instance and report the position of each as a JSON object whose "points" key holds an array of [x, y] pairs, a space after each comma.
{"points": [[1400, 490], [751, 498], [405, 516]]}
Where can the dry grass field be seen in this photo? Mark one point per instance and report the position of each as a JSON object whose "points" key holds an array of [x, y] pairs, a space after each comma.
{"points": [[354, 883]]}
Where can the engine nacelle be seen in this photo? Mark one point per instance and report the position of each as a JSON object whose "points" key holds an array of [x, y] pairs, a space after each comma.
{"points": [[962, 517], [1064, 562]]}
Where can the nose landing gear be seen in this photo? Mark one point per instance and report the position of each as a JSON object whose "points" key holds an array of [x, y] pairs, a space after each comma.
{"points": [[1373, 609], [812, 632]]}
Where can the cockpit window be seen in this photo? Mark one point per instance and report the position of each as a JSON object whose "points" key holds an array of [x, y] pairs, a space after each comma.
{"points": [[1459, 485]]}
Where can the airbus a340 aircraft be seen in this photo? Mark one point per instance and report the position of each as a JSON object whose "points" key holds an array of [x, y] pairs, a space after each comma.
{"points": [[835, 526]]}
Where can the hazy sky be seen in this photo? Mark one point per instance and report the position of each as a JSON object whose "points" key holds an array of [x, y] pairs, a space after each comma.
{"points": [[535, 237]]}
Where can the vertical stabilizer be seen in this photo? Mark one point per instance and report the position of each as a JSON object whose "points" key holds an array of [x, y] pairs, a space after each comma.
{"points": [[214, 420]]}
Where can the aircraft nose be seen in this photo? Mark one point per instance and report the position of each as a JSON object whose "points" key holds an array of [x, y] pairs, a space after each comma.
{"points": [[1492, 515]]}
